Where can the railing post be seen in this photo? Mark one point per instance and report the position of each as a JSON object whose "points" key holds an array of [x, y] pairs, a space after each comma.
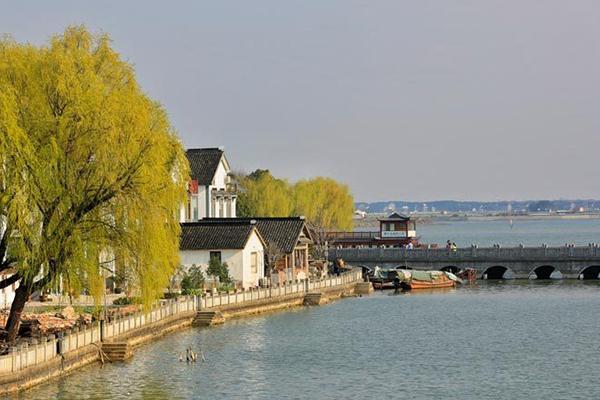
{"points": [[13, 353]]}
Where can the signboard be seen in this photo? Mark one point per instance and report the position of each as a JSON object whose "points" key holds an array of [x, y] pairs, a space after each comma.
{"points": [[393, 234]]}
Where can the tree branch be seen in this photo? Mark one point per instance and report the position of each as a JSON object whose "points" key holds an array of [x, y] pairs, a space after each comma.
{"points": [[10, 280]]}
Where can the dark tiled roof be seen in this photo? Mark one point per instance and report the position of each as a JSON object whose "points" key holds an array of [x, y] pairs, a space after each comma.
{"points": [[208, 236], [283, 232], [203, 164], [395, 217]]}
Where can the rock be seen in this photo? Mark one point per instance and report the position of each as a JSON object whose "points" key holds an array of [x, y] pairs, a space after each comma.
{"points": [[68, 313]]}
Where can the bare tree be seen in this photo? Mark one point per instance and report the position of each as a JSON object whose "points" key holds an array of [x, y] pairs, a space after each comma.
{"points": [[320, 242], [273, 253]]}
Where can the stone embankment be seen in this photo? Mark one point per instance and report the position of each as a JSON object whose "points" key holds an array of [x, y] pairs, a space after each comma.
{"points": [[38, 361]]}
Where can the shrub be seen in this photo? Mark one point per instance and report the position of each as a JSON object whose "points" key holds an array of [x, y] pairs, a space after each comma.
{"points": [[226, 287], [126, 301], [219, 270], [193, 281]]}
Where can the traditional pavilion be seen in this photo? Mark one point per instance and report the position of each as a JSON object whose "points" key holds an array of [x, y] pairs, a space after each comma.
{"points": [[396, 230]]}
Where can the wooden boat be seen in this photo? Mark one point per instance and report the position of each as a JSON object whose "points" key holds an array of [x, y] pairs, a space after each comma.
{"points": [[439, 282], [468, 274], [428, 280]]}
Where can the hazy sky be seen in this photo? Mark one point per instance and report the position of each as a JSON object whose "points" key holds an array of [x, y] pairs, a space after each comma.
{"points": [[412, 100]]}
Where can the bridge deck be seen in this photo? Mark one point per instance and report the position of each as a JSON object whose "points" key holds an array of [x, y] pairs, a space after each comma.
{"points": [[523, 261]]}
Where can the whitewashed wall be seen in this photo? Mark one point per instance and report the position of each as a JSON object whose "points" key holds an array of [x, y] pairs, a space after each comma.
{"points": [[220, 177], [200, 258], [250, 279]]}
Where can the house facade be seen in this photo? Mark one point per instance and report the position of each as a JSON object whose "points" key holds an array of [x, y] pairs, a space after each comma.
{"points": [[237, 243], [211, 190], [287, 241]]}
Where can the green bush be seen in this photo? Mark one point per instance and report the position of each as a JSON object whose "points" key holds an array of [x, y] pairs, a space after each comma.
{"points": [[226, 287], [192, 282], [194, 292], [126, 301], [219, 270]]}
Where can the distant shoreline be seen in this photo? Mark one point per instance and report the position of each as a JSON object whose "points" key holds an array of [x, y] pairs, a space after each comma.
{"points": [[370, 221]]}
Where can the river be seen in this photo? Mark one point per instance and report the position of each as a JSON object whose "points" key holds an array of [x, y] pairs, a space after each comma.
{"points": [[491, 340]]}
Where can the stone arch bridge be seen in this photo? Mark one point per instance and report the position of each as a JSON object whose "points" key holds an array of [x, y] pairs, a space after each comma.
{"points": [[491, 263]]}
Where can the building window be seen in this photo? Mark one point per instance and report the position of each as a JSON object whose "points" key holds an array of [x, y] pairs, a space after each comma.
{"points": [[228, 209], [215, 254], [195, 207], [188, 207], [221, 208], [213, 207], [254, 262]]}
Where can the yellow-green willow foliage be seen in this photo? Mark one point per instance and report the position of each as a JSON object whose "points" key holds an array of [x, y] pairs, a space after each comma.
{"points": [[326, 203], [90, 168], [262, 195]]}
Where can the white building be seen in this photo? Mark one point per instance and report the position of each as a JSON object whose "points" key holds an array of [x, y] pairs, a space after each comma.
{"points": [[237, 243], [211, 191]]}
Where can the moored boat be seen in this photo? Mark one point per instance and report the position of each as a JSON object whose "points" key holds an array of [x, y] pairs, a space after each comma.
{"points": [[414, 280], [468, 274]]}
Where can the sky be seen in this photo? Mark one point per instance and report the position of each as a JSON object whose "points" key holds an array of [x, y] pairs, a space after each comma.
{"points": [[401, 100]]}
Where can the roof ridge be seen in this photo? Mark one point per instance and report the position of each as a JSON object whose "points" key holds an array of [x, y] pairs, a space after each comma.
{"points": [[300, 218], [205, 149]]}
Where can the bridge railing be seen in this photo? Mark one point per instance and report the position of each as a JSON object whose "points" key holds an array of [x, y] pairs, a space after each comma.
{"points": [[504, 253]]}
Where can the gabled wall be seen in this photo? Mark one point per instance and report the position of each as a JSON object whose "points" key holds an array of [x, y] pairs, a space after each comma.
{"points": [[238, 261]]}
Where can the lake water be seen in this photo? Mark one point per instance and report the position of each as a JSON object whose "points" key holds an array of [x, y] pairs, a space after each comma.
{"points": [[491, 340], [554, 232], [503, 340]]}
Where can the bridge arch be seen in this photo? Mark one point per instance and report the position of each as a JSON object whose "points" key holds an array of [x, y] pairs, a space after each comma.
{"points": [[590, 272], [450, 268], [498, 272], [545, 272]]}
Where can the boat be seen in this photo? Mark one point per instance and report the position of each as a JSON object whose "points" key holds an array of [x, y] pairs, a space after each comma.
{"points": [[468, 274], [407, 279], [383, 278], [415, 280]]}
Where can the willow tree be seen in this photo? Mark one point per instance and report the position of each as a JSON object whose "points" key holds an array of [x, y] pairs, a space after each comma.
{"points": [[91, 170], [262, 195], [327, 205]]}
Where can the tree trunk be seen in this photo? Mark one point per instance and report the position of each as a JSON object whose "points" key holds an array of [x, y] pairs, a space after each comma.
{"points": [[14, 318]]}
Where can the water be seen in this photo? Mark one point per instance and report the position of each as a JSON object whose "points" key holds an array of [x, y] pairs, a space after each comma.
{"points": [[554, 232], [493, 340], [504, 340]]}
